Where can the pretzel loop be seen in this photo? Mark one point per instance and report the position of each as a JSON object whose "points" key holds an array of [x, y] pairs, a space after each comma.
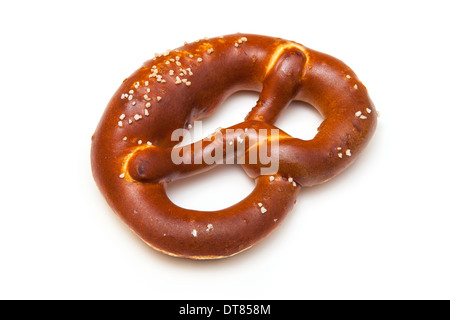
{"points": [[134, 154]]}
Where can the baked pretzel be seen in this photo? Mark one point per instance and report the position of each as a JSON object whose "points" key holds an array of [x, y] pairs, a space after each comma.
{"points": [[132, 148]]}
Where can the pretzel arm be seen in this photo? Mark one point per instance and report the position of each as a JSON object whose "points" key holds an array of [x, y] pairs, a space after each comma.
{"points": [[281, 85]]}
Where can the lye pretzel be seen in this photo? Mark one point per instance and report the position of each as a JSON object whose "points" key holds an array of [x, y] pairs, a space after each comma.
{"points": [[134, 154]]}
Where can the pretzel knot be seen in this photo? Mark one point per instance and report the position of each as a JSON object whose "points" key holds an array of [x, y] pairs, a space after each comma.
{"points": [[135, 151]]}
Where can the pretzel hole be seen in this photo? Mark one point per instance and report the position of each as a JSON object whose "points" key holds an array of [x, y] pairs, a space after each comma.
{"points": [[216, 189], [300, 120], [231, 112]]}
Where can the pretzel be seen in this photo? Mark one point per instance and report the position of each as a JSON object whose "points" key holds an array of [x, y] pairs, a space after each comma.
{"points": [[133, 149]]}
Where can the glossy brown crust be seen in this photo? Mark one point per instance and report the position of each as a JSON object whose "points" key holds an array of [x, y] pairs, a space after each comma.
{"points": [[131, 148]]}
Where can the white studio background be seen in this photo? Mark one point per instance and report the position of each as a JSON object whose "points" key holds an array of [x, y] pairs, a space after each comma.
{"points": [[380, 230]]}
